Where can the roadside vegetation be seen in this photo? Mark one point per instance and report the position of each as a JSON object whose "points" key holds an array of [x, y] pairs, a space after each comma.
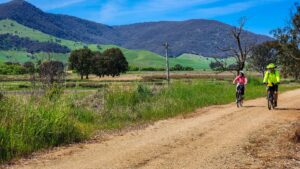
{"points": [[30, 123]]}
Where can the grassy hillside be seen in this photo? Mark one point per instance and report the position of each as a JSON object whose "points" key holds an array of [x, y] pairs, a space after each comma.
{"points": [[14, 28], [195, 61], [138, 58]]}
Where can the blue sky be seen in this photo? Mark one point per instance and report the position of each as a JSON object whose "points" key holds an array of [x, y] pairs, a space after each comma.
{"points": [[263, 15]]}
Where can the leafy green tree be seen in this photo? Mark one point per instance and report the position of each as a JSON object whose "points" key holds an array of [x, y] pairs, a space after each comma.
{"points": [[288, 39], [81, 61], [29, 66], [177, 67], [262, 55], [114, 62], [99, 68]]}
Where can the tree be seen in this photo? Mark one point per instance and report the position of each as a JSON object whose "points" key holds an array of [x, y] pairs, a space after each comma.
{"points": [[177, 67], [29, 66], [99, 68], [262, 55], [288, 39], [81, 61], [51, 71], [242, 48], [114, 62]]}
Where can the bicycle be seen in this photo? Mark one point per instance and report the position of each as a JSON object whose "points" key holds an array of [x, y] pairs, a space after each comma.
{"points": [[239, 97], [271, 97]]}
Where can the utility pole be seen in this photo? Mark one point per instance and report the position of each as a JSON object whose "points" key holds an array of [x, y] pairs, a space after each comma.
{"points": [[166, 45]]}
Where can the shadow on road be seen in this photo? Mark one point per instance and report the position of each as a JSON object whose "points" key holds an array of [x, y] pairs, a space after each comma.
{"points": [[289, 109], [253, 106]]}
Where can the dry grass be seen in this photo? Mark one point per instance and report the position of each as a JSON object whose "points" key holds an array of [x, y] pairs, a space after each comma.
{"points": [[274, 147]]}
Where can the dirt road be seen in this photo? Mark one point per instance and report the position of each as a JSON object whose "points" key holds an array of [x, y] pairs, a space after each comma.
{"points": [[211, 138]]}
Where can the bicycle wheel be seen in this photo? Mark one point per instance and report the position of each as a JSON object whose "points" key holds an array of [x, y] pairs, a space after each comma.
{"points": [[270, 101], [269, 104], [239, 99], [241, 102]]}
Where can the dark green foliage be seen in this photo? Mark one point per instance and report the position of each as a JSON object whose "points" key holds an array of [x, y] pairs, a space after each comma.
{"points": [[133, 68], [217, 66], [111, 63], [288, 40], [179, 67], [11, 69], [152, 69], [262, 55], [115, 62], [99, 67], [12, 42], [81, 61], [30, 67]]}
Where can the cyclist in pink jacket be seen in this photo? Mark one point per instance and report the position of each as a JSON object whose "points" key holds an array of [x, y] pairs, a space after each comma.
{"points": [[241, 80]]}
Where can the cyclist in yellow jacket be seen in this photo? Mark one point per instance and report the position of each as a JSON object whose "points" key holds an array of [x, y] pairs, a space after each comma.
{"points": [[272, 80]]}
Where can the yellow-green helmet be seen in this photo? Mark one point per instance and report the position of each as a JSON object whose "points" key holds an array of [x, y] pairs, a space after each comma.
{"points": [[271, 66]]}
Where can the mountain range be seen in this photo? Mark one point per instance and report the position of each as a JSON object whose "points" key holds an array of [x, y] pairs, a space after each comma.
{"points": [[197, 36]]}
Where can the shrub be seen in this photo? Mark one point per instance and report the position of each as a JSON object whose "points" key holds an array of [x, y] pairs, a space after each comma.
{"points": [[134, 68], [11, 69], [152, 69]]}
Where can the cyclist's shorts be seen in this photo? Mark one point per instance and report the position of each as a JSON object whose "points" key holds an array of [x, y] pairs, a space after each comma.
{"points": [[273, 88], [242, 88]]}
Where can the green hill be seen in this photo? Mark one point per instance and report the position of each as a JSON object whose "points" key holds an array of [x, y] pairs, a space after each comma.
{"points": [[137, 58]]}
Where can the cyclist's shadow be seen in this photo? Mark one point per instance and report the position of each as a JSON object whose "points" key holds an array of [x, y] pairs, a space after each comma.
{"points": [[252, 106], [287, 109]]}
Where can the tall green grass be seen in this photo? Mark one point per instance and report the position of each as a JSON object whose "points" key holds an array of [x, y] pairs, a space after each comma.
{"points": [[141, 104], [30, 124], [27, 126]]}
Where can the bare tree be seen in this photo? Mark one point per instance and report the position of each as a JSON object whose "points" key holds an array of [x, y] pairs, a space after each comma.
{"points": [[51, 71], [242, 47]]}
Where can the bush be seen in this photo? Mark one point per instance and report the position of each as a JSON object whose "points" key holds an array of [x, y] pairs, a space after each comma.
{"points": [[179, 67], [134, 68], [12, 69], [152, 69]]}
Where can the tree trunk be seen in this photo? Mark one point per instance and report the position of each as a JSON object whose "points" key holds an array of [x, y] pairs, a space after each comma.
{"points": [[81, 76], [87, 76]]}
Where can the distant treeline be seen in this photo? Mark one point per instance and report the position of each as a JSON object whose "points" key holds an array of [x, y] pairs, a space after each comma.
{"points": [[177, 67], [12, 42]]}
